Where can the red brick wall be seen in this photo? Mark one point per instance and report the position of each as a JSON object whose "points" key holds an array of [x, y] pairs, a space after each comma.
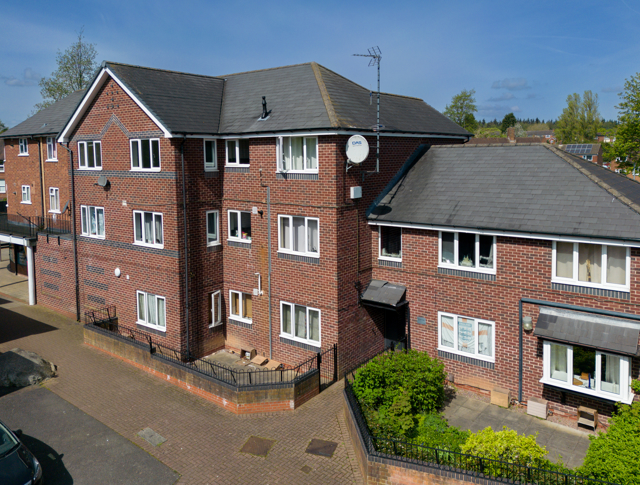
{"points": [[55, 276]]}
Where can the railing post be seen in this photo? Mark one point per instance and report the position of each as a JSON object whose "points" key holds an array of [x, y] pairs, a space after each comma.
{"points": [[318, 362], [335, 362]]}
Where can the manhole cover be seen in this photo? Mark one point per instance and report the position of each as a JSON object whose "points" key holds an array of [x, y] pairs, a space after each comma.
{"points": [[151, 436], [257, 446], [306, 469], [322, 447]]}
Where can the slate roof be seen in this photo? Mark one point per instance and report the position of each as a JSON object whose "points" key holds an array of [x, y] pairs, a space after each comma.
{"points": [[48, 121], [300, 97], [521, 188]]}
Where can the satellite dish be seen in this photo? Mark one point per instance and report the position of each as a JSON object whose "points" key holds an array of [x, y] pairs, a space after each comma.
{"points": [[357, 149], [102, 181]]}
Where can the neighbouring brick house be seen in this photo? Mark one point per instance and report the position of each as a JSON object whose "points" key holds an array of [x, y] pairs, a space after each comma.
{"points": [[216, 211], [518, 266], [587, 151]]}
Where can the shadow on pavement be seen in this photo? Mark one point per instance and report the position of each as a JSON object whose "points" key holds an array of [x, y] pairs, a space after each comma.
{"points": [[14, 326], [4, 391], [53, 468]]}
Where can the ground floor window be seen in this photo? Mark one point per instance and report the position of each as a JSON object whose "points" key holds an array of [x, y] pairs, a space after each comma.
{"points": [[300, 323], [241, 306], [587, 370], [466, 336], [151, 310]]}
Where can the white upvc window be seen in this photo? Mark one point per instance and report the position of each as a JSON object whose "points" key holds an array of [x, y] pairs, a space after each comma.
{"points": [[470, 337], [145, 154], [467, 251], [240, 306], [210, 156], [300, 323], [299, 235], [3, 186], [152, 311], [52, 149], [23, 147], [390, 243], [587, 371], [238, 152], [592, 265], [54, 199], [90, 155], [213, 228], [240, 226], [216, 309], [147, 229], [92, 221], [26, 194], [297, 154], [1, 166]]}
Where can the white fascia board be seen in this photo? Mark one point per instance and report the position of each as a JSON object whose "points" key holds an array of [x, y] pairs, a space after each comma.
{"points": [[90, 96], [521, 235], [326, 133]]}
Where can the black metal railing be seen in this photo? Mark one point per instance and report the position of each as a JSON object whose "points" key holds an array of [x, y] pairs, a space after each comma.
{"points": [[473, 466], [101, 317], [22, 226]]}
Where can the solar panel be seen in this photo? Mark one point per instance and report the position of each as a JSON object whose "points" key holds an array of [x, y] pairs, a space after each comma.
{"points": [[579, 149]]}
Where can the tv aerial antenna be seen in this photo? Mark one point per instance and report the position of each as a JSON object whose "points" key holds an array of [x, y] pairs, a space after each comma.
{"points": [[375, 56]]}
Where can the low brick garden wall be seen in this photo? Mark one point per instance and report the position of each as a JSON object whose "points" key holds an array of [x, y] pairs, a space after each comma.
{"points": [[256, 399]]}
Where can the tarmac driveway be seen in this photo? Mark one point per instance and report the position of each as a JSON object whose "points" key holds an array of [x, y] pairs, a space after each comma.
{"points": [[75, 448]]}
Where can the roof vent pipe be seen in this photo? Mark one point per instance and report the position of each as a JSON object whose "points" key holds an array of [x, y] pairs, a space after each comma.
{"points": [[265, 113]]}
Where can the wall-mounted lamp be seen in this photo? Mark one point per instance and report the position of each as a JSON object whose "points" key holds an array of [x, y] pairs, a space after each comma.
{"points": [[527, 324]]}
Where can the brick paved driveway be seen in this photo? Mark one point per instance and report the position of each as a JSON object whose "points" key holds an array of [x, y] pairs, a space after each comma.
{"points": [[203, 441]]}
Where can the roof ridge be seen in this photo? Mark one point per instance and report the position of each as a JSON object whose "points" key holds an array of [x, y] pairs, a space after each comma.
{"points": [[105, 63], [601, 183], [326, 98], [266, 69]]}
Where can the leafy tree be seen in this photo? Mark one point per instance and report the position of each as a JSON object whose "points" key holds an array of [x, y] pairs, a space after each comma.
{"points": [[3, 127], [508, 121], [470, 123], [462, 104], [627, 144], [568, 123], [489, 132], [519, 130], [580, 120], [76, 67], [539, 126], [590, 118]]}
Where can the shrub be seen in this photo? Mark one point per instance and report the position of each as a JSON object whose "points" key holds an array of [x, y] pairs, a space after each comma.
{"points": [[613, 456], [635, 386], [434, 431]]}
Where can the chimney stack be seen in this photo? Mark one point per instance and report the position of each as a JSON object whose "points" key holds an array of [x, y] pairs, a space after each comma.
{"points": [[511, 134]]}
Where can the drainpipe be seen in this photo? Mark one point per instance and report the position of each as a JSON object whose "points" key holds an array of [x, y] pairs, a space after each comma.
{"points": [[41, 177], [520, 352], [186, 247], [269, 259], [73, 226]]}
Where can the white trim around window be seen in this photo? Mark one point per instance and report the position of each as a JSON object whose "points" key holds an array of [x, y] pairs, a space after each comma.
{"points": [[90, 155], [610, 269], [26, 194], [23, 147], [240, 306], [148, 229], [213, 228], [145, 155], [239, 226], [151, 310], [54, 200], [210, 155], [52, 150], [392, 250], [467, 252], [92, 221], [299, 235], [595, 373], [297, 154], [216, 309], [467, 336], [2, 165], [237, 152], [3, 186], [300, 323]]}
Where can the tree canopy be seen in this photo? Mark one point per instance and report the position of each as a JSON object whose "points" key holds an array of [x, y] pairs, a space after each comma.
{"points": [[580, 120], [508, 121], [76, 67], [462, 105], [627, 144], [3, 127]]}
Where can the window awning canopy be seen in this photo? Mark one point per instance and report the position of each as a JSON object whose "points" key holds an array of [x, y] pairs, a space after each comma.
{"points": [[589, 330], [382, 294]]}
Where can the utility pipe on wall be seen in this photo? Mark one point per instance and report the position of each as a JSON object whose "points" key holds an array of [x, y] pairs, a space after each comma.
{"points": [[186, 248], [73, 227]]}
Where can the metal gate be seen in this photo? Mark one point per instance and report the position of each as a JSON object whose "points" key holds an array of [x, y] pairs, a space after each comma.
{"points": [[328, 366]]}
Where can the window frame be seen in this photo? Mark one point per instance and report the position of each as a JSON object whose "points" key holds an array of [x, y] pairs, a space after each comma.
{"points": [[52, 149], [143, 234], [626, 395], [144, 322], [454, 349], [2, 162], [574, 281], [23, 147], [239, 238], [3, 186], [139, 168], [292, 335], [237, 150], [241, 306], [54, 191], [85, 215], [306, 252], [388, 258], [455, 265], [212, 167], [216, 242], [26, 192], [215, 296], [280, 152], [84, 146]]}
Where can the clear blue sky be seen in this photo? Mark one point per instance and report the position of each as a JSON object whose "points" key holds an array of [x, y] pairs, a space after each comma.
{"points": [[524, 57]]}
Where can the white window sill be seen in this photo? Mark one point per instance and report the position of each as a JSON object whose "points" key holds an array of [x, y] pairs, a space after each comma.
{"points": [[24, 202], [2, 192], [296, 253], [214, 325], [146, 170], [581, 390], [90, 168], [213, 244], [246, 241], [155, 327], [51, 160], [452, 350], [92, 236], [586, 284], [388, 258], [313, 343], [236, 165], [155, 246], [310, 172], [55, 212], [241, 319], [468, 268], [23, 154], [211, 169]]}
